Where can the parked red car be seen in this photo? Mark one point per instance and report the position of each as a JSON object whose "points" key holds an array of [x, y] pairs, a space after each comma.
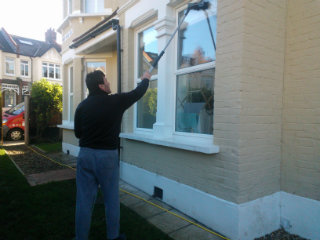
{"points": [[13, 123]]}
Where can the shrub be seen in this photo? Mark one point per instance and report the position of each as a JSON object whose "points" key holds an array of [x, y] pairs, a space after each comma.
{"points": [[46, 102]]}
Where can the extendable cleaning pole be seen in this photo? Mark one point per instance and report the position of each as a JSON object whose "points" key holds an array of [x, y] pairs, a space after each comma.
{"points": [[202, 5]]}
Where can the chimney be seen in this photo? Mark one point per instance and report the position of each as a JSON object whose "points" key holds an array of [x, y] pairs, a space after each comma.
{"points": [[51, 36]]}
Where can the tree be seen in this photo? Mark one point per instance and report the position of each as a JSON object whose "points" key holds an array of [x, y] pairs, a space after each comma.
{"points": [[46, 101]]}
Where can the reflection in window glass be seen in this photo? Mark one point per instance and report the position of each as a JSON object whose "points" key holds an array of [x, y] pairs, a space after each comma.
{"points": [[92, 66], [148, 50], [194, 102], [147, 107], [195, 44]]}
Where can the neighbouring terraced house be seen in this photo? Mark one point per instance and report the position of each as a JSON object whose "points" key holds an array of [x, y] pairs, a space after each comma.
{"points": [[231, 137], [24, 61]]}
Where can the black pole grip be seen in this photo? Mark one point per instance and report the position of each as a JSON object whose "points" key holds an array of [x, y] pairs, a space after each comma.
{"points": [[157, 59]]}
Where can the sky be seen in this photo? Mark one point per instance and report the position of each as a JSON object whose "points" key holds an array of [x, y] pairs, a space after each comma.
{"points": [[31, 18]]}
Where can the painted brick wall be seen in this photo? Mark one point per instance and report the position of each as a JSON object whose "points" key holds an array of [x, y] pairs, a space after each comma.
{"points": [[261, 98], [301, 117]]}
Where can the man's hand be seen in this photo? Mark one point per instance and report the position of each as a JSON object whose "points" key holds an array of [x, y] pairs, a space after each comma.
{"points": [[146, 75]]}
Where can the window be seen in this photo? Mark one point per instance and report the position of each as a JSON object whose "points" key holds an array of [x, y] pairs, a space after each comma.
{"points": [[50, 70], [71, 112], [147, 53], [69, 6], [93, 6], [193, 50], [24, 68], [9, 98], [92, 66], [195, 72], [9, 66], [194, 102]]}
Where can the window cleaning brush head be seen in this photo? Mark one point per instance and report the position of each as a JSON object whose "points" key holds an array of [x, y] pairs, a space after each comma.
{"points": [[202, 5]]}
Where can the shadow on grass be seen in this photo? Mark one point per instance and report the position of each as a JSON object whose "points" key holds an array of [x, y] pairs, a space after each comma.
{"points": [[47, 211]]}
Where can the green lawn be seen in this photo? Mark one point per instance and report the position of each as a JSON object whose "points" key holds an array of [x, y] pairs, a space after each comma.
{"points": [[50, 147], [47, 211]]}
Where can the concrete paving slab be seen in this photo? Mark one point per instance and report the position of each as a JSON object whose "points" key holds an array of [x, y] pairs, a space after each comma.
{"points": [[160, 203], [146, 210], [167, 223], [129, 200], [50, 176], [193, 232]]}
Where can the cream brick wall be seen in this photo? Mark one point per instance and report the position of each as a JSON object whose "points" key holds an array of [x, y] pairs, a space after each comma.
{"points": [[261, 98], [301, 116]]}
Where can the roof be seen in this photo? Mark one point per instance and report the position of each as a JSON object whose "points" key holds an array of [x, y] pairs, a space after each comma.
{"points": [[25, 46]]}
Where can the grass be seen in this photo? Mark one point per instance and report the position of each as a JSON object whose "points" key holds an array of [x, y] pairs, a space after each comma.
{"points": [[47, 211], [50, 147]]}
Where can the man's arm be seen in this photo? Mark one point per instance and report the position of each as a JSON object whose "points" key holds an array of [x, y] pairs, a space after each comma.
{"points": [[129, 98]]}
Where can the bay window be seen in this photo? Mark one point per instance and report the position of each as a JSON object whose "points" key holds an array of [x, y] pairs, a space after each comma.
{"points": [[51, 70], [178, 108], [147, 53]]}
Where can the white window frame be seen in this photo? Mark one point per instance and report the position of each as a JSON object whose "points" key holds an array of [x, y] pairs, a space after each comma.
{"points": [[138, 78], [10, 60], [55, 66], [23, 67], [70, 93]]}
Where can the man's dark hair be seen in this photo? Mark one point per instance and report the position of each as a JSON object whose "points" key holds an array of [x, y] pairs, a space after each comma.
{"points": [[93, 80]]}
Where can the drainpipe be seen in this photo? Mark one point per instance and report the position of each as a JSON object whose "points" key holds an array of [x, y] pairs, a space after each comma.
{"points": [[116, 26]]}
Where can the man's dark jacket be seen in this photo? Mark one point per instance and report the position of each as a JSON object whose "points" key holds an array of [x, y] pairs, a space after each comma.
{"points": [[98, 118]]}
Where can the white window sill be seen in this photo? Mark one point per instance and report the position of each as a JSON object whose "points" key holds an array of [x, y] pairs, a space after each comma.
{"points": [[67, 125], [175, 142]]}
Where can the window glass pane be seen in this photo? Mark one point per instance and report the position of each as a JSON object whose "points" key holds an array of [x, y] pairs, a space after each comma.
{"points": [[44, 70], [9, 98], [148, 50], [147, 107], [94, 6], [71, 79], [69, 6], [194, 102], [92, 66], [195, 43], [71, 109], [9, 66], [51, 71], [24, 68], [57, 72]]}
